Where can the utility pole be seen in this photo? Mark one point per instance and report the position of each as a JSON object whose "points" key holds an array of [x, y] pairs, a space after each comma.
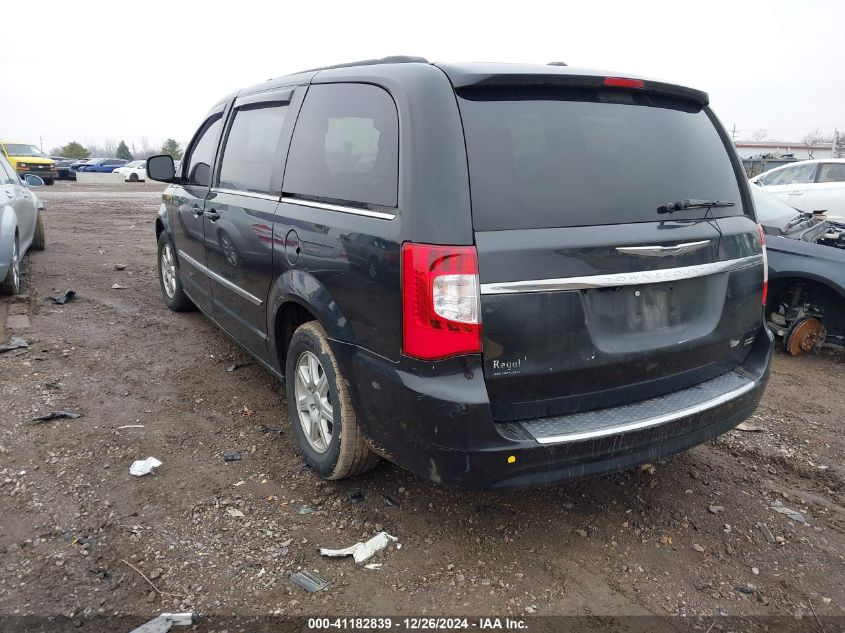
{"points": [[41, 143], [834, 153], [733, 134]]}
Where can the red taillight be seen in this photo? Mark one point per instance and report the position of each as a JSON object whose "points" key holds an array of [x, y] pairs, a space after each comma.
{"points": [[623, 82], [765, 264], [441, 307]]}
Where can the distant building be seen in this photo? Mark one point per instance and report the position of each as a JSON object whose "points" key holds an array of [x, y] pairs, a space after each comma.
{"points": [[752, 149]]}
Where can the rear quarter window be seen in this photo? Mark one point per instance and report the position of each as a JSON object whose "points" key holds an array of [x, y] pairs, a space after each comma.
{"points": [[345, 146], [542, 158]]}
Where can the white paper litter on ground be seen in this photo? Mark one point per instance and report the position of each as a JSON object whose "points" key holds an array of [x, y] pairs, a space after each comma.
{"points": [[144, 466], [373, 566], [362, 551]]}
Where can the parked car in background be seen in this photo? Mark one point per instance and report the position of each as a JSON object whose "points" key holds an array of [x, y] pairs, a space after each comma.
{"points": [[102, 165], [28, 159], [806, 301], [501, 291], [809, 185], [64, 168], [21, 224], [133, 171]]}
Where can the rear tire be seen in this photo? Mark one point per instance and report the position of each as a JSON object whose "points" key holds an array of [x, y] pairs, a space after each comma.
{"points": [[168, 277], [335, 449], [39, 240], [12, 283], [133, 177], [48, 181]]}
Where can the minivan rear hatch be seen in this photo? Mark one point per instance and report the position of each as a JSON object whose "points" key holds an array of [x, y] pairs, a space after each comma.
{"points": [[590, 297]]}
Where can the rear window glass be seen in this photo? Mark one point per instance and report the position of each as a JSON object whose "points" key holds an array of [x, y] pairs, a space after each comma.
{"points": [[345, 146], [552, 158]]}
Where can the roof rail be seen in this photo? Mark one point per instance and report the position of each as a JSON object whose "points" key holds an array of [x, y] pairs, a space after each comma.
{"points": [[391, 59]]}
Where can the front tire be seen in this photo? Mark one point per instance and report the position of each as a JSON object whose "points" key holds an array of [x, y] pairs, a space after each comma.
{"points": [[320, 409], [39, 240], [12, 283], [48, 181], [168, 277], [133, 177]]}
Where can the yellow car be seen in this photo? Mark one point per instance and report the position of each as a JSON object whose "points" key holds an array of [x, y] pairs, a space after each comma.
{"points": [[28, 159]]}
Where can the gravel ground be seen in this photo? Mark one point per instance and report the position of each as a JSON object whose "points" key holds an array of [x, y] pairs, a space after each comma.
{"points": [[695, 536]]}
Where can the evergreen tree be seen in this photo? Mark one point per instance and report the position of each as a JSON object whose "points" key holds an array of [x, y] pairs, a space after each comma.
{"points": [[123, 151], [172, 147], [74, 150]]}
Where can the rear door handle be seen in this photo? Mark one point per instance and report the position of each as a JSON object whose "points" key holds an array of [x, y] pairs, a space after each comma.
{"points": [[212, 215], [197, 211]]}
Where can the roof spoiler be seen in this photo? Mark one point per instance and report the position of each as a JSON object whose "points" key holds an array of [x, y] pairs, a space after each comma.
{"points": [[485, 80]]}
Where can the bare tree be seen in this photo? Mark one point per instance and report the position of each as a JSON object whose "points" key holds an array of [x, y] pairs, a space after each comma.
{"points": [[109, 148], [145, 149], [759, 134], [811, 139]]}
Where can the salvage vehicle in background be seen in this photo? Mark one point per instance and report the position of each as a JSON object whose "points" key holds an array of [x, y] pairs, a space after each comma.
{"points": [[21, 224], [64, 170], [28, 159], [809, 185], [504, 293], [806, 302], [102, 165], [133, 171]]}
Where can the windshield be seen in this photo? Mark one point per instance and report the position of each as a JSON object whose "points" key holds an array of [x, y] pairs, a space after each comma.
{"points": [[15, 149], [135, 163], [771, 210], [554, 157]]}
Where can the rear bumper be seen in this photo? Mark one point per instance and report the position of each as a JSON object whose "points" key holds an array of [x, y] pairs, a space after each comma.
{"points": [[434, 419]]}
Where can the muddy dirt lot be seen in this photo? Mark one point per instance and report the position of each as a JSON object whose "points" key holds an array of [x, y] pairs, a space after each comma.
{"points": [[695, 536]]}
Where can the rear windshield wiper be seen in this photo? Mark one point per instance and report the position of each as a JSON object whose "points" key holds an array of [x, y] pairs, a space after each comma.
{"points": [[692, 203]]}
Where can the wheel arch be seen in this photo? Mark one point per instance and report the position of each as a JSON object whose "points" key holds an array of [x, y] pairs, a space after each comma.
{"points": [[298, 297]]}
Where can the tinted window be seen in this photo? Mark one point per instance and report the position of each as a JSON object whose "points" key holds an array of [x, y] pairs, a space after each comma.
{"points": [[251, 147], [548, 158], [832, 172], [202, 153], [346, 146]]}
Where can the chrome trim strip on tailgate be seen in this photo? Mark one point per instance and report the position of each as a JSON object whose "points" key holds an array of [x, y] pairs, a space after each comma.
{"points": [[621, 279], [663, 251], [220, 279], [632, 410]]}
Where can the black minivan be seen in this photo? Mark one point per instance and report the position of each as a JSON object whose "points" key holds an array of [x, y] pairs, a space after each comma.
{"points": [[493, 275]]}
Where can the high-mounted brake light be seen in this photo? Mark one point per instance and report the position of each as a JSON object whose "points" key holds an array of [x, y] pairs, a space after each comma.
{"points": [[765, 264], [623, 82], [441, 306]]}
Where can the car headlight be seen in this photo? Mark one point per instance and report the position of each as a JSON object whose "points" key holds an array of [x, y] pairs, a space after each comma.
{"points": [[21, 164]]}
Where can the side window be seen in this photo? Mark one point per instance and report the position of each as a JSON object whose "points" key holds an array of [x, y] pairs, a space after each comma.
{"points": [[798, 174], [832, 172], [252, 145], [778, 177], [202, 153], [345, 146]]}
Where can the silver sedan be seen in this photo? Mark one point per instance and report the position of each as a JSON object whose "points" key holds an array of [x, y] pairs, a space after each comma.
{"points": [[21, 225]]}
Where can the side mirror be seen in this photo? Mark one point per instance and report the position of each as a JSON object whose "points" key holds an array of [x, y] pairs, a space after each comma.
{"points": [[32, 180], [160, 167]]}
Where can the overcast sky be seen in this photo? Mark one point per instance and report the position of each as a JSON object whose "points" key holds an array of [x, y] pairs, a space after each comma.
{"points": [[93, 71]]}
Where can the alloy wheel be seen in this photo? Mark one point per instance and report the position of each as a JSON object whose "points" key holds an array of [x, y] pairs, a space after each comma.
{"points": [[313, 402], [168, 271]]}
